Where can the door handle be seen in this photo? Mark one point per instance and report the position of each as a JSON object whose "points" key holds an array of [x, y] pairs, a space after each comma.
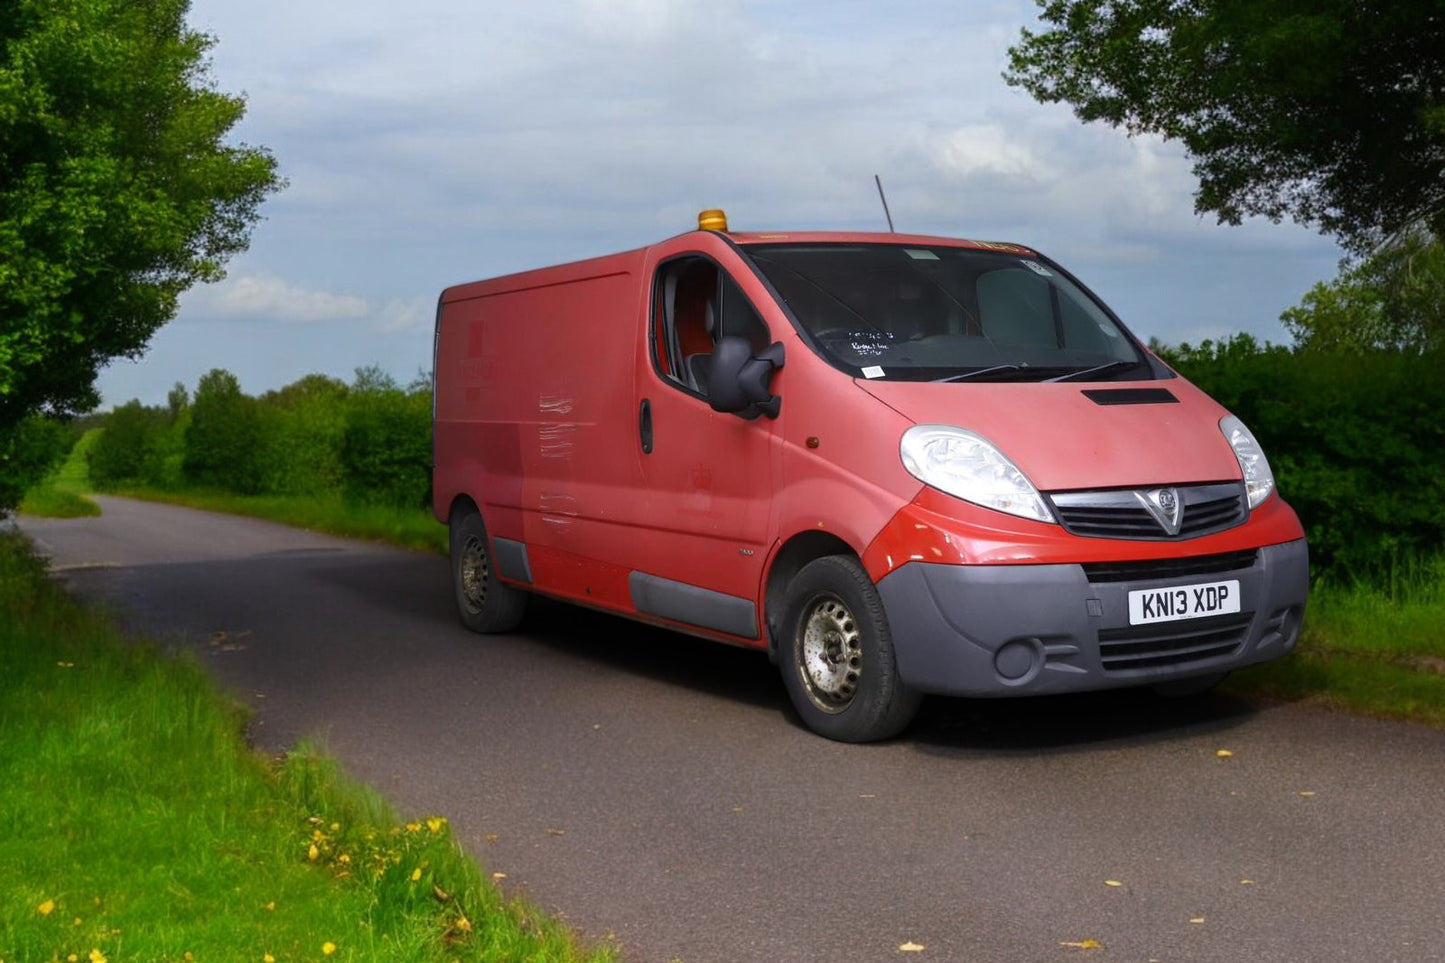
{"points": [[644, 425]]}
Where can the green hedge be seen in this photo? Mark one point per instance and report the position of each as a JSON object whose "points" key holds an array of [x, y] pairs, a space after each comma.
{"points": [[370, 441], [1356, 441]]}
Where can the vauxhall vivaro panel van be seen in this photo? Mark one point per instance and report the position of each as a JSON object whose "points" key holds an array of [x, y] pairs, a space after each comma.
{"points": [[899, 464]]}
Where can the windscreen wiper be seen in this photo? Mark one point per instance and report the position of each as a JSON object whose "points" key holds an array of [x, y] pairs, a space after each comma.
{"points": [[1097, 369], [978, 373]]}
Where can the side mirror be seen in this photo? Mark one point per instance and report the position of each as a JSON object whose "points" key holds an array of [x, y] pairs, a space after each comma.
{"points": [[738, 381]]}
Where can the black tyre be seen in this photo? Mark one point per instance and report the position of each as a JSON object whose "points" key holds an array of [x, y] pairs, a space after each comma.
{"points": [[484, 602], [837, 655]]}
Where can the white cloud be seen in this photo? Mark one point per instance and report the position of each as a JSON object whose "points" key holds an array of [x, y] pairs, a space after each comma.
{"points": [[264, 297], [985, 149], [414, 314]]}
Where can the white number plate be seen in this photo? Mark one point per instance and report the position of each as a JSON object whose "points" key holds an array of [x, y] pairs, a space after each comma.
{"points": [[1183, 602]]}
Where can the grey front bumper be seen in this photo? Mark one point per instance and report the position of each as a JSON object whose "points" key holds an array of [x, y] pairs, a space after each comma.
{"points": [[1001, 630]]}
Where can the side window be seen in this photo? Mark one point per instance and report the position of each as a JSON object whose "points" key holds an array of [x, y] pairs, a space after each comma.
{"points": [[694, 303]]}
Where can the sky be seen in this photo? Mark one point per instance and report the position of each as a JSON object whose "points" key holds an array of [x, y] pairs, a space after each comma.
{"points": [[436, 141]]}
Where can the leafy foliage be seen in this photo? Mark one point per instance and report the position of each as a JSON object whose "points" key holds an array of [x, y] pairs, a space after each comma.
{"points": [[117, 191], [370, 441], [27, 451], [224, 438], [131, 449], [386, 451], [1331, 112], [1355, 441], [1395, 298]]}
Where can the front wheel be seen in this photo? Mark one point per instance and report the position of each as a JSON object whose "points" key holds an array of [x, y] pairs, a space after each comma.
{"points": [[837, 660], [484, 602]]}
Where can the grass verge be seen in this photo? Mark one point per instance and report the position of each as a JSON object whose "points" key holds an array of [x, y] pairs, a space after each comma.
{"points": [[1375, 649], [408, 528], [62, 493], [139, 826]]}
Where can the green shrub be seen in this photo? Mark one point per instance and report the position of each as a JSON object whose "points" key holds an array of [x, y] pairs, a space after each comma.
{"points": [[131, 449], [302, 429], [27, 452], [1356, 441], [224, 439], [386, 450]]}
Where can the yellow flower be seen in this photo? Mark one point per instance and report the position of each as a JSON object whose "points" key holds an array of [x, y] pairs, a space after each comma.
{"points": [[416, 874], [328, 948], [344, 859], [435, 823], [313, 852], [96, 956], [268, 958], [464, 924], [46, 908]]}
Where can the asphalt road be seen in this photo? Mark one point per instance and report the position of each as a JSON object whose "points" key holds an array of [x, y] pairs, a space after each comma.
{"points": [[658, 789]]}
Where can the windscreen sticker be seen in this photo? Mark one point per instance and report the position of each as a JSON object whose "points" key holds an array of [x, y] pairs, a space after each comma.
{"points": [[920, 254], [873, 371], [1038, 269]]}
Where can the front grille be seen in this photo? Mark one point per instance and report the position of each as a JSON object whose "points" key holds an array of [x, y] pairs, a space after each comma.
{"points": [[1172, 644], [1114, 513], [1162, 568]]}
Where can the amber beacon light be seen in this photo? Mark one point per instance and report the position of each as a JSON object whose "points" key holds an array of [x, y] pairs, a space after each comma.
{"points": [[712, 220]]}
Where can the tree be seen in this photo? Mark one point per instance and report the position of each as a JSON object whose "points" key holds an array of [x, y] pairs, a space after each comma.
{"points": [[224, 436], [1330, 112], [1392, 299], [117, 190]]}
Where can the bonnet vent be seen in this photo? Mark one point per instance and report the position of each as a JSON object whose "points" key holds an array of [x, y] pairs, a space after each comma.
{"points": [[1131, 396]]}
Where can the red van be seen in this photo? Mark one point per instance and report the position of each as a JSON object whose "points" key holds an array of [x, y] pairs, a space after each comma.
{"points": [[899, 464]]}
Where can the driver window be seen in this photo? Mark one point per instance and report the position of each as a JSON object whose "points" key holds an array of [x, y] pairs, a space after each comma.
{"points": [[694, 303]]}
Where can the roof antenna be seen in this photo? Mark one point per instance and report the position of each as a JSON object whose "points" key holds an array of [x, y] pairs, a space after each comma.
{"points": [[885, 203]]}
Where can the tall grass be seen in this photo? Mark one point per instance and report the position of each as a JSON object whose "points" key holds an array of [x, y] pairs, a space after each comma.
{"points": [[139, 826], [62, 494], [414, 528], [1373, 647]]}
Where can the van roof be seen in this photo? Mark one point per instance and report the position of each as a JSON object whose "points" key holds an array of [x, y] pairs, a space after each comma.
{"points": [[745, 238]]}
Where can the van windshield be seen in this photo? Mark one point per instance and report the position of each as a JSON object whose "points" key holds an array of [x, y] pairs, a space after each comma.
{"points": [[940, 313]]}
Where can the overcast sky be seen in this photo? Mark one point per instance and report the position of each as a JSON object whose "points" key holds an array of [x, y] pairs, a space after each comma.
{"points": [[438, 141]]}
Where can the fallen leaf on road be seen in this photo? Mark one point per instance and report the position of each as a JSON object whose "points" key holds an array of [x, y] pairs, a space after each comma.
{"points": [[1112, 882], [1307, 793], [1224, 753], [1197, 919], [556, 832], [1246, 882], [1084, 945], [910, 947]]}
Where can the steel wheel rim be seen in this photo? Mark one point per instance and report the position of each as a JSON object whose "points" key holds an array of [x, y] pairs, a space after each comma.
{"points": [[830, 653], [474, 572]]}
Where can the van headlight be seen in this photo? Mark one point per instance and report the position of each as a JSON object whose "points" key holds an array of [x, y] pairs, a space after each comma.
{"points": [[967, 466], [1258, 479]]}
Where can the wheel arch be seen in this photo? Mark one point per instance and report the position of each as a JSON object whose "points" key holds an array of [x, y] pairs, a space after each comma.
{"points": [[461, 506], [791, 556]]}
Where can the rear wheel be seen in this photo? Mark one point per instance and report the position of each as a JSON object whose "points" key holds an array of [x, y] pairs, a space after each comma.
{"points": [[484, 602], [838, 660]]}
